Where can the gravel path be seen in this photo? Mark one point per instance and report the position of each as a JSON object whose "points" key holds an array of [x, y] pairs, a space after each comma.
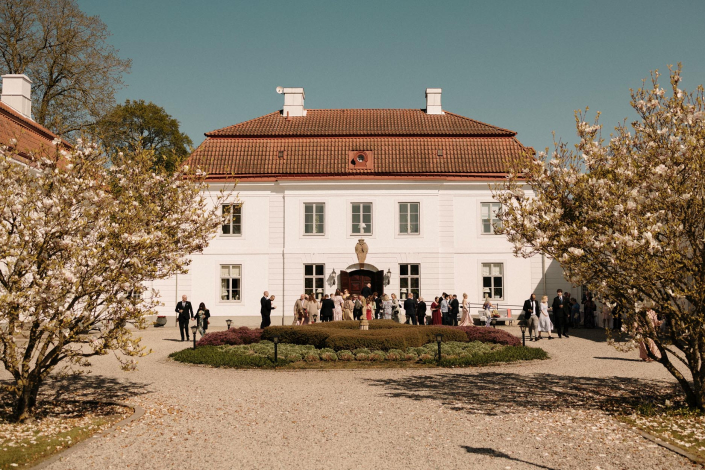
{"points": [[545, 414]]}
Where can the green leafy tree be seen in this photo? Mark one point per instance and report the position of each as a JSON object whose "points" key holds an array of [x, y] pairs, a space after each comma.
{"points": [[75, 73], [625, 218], [147, 126]]}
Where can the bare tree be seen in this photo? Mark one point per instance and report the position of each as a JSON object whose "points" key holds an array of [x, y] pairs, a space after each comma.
{"points": [[75, 73]]}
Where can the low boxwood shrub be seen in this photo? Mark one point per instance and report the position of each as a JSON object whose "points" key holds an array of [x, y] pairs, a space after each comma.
{"points": [[377, 356], [233, 336], [346, 355]]}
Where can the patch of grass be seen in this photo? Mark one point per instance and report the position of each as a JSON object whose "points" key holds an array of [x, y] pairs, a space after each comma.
{"points": [[32, 450], [454, 354]]}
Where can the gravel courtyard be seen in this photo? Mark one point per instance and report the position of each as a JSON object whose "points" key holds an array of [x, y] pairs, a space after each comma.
{"points": [[546, 414]]}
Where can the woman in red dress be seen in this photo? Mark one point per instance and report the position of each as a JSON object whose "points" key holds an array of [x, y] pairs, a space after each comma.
{"points": [[368, 307], [436, 312]]}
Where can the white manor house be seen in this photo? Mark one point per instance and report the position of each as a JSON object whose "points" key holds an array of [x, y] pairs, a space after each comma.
{"points": [[413, 185]]}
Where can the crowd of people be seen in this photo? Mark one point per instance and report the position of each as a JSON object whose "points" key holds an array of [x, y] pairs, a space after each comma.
{"points": [[342, 305]]}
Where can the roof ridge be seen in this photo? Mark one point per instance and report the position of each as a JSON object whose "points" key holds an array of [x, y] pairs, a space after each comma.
{"points": [[480, 122]]}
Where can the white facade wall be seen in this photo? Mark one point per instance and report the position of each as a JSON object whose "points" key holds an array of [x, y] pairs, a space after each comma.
{"points": [[273, 248]]}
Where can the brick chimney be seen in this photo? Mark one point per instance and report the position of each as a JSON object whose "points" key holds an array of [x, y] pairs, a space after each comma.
{"points": [[17, 93], [433, 101], [293, 101]]}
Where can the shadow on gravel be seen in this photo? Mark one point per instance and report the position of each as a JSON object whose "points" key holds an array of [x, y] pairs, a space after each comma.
{"points": [[502, 455], [87, 386], [494, 393]]}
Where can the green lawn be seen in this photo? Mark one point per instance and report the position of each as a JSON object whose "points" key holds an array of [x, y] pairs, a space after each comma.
{"points": [[291, 356]]}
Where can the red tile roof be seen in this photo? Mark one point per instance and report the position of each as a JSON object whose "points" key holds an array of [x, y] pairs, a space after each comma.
{"points": [[404, 144], [359, 122], [24, 135]]}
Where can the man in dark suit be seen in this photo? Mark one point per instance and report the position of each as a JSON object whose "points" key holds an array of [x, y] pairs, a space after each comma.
{"points": [[265, 310], [421, 311], [410, 308], [454, 311], [367, 291], [561, 309], [327, 307], [185, 311], [531, 315], [379, 313]]}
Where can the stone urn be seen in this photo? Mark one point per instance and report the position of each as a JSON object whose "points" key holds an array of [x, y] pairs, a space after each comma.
{"points": [[161, 321], [364, 325]]}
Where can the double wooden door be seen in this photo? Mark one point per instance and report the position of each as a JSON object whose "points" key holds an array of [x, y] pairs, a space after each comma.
{"points": [[355, 281]]}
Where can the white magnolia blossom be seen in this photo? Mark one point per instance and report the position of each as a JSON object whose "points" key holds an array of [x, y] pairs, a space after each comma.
{"points": [[624, 217], [78, 242]]}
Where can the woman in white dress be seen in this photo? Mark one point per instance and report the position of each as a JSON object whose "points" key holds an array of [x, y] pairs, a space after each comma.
{"points": [[606, 316], [387, 307], [466, 320], [338, 301], [545, 325]]}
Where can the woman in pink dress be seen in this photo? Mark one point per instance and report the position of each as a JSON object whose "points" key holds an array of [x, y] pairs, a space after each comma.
{"points": [[466, 319], [338, 301]]}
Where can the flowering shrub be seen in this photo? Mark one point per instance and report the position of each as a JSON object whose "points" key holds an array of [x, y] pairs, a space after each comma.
{"points": [[489, 335], [233, 336]]}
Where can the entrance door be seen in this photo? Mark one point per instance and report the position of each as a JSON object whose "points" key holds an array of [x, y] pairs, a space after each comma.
{"points": [[356, 280]]}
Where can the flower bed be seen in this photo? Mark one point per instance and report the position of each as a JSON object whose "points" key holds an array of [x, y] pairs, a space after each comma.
{"points": [[261, 355], [380, 338], [233, 336]]}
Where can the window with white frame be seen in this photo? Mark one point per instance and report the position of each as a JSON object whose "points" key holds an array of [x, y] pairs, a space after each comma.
{"points": [[409, 280], [493, 280], [314, 279], [489, 216], [314, 218], [409, 218], [232, 219], [361, 218], [230, 282]]}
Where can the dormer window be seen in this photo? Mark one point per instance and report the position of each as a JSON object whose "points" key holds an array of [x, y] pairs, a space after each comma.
{"points": [[360, 160]]}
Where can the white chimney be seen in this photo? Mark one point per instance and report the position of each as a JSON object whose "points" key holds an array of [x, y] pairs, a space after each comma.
{"points": [[17, 93], [433, 101], [293, 101]]}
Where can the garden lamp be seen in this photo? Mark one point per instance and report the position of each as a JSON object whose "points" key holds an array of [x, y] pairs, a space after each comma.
{"points": [[439, 340], [194, 328], [229, 322], [275, 340]]}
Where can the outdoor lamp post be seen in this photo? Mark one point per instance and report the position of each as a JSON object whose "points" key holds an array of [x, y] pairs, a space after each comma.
{"points": [[439, 340], [194, 328], [522, 325], [229, 322], [275, 340]]}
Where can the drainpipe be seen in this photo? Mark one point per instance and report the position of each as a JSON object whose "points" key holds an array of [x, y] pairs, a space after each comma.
{"points": [[283, 253], [543, 272], [176, 298]]}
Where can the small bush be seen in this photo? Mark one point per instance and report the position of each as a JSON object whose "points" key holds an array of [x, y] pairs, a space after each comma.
{"points": [[489, 335], [328, 355], [346, 355], [312, 357], [377, 356], [361, 351], [395, 355], [233, 336], [410, 356], [362, 357]]}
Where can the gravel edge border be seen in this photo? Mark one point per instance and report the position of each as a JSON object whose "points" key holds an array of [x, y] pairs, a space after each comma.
{"points": [[137, 413], [671, 447]]}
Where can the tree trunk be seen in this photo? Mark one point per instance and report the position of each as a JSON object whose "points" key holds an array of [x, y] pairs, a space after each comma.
{"points": [[25, 401]]}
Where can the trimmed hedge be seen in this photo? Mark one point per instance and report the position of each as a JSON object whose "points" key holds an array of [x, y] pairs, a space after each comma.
{"points": [[355, 325], [218, 357], [233, 336], [382, 338]]}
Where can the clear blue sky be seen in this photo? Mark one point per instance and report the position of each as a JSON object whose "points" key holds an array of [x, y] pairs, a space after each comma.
{"points": [[522, 65]]}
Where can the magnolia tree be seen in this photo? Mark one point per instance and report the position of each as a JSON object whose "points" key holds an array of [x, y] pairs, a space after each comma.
{"points": [[78, 240], [626, 218]]}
